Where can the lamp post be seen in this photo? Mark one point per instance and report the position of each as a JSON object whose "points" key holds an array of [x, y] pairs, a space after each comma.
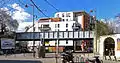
{"points": [[33, 28], [57, 46]]}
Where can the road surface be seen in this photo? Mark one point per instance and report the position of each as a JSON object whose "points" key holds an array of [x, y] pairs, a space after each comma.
{"points": [[19, 61], [27, 58]]}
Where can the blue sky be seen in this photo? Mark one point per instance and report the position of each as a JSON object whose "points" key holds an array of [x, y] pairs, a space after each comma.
{"points": [[104, 8]]}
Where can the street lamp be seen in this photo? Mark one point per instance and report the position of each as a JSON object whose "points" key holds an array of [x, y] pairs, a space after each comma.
{"points": [[57, 46], [33, 28]]}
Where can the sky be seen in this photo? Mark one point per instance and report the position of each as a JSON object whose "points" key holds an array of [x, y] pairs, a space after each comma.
{"points": [[105, 9]]}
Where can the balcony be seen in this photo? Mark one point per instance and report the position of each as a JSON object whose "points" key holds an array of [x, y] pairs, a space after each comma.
{"points": [[76, 26], [44, 28]]}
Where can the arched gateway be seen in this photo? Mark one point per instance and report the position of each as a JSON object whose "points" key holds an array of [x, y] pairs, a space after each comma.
{"points": [[109, 46]]}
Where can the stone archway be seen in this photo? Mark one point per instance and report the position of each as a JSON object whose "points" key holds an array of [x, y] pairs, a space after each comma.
{"points": [[109, 46]]}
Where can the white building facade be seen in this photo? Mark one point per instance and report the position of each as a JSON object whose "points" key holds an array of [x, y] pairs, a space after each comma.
{"points": [[67, 22], [66, 16]]}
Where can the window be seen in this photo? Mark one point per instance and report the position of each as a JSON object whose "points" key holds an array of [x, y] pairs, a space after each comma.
{"points": [[68, 15], [63, 20], [55, 25], [45, 26], [58, 25], [58, 29], [66, 19], [66, 29], [57, 15], [63, 15], [67, 25], [66, 41]]}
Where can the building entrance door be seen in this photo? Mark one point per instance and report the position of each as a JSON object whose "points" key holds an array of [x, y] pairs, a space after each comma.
{"points": [[109, 46]]}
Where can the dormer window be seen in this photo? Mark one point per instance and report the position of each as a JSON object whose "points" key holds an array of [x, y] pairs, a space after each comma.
{"points": [[57, 15], [67, 25], [68, 15], [63, 15]]}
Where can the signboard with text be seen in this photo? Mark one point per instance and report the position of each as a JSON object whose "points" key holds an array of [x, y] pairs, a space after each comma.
{"points": [[7, 43]]}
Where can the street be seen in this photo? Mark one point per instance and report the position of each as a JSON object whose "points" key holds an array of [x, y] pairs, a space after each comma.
{"points": [[19, 61], [27, 58]]}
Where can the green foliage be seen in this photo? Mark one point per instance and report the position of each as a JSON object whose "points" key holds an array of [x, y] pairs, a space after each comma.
{"points": [[102, 29]]}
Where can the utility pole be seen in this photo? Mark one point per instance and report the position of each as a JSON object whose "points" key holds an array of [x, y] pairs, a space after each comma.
{"points": [[33, 33], [33, 28], [57, 46]]}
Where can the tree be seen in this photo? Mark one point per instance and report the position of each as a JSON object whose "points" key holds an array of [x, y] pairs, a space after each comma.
{"points": [[103, 29], [7, 23]]}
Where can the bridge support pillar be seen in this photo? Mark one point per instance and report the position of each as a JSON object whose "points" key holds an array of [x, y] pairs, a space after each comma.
{"points": [[95, 46], [41, 49], [74, 44]]}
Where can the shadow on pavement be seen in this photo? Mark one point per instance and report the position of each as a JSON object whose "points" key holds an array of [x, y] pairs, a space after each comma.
{"points": [[20, 61]]}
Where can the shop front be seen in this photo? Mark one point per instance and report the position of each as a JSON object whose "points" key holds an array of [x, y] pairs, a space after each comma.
{"points": [[52, 47], [84, 46]]}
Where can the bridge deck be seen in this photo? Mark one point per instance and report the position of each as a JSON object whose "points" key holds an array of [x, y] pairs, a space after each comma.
{"points": [[54, 35]]}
